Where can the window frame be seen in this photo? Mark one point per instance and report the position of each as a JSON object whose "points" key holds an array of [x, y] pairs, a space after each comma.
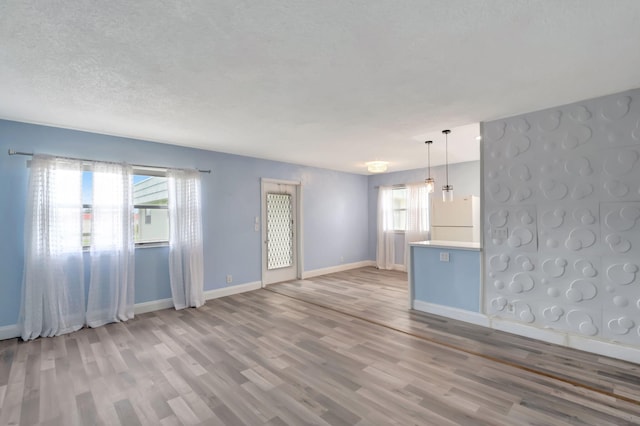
{"points": [[137, 171], [394, 210]]}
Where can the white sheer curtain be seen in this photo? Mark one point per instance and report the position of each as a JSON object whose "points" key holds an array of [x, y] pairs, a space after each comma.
{"points": [[53, 278], [186, 258], [111, 288], [385, 251], [417, 217]]}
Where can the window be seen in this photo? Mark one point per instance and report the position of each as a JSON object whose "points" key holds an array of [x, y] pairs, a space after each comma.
{"points": [[399, 209], [150, 214], [151, 211]]}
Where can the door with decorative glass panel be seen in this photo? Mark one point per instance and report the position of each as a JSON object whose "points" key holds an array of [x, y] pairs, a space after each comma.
{"points": [[279, 231]]}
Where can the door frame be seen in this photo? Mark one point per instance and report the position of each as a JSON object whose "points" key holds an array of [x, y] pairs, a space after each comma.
{"points": [[298, 227]]}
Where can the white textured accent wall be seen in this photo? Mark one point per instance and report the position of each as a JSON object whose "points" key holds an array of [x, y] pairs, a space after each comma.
{"points": [[562, 218]]}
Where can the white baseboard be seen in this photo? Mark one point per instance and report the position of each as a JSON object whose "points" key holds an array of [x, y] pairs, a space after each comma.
{"points": [[399, 267], [596, 346], [455, 313], [337, 268], [9, 331], [153, 305], [235, 289]]}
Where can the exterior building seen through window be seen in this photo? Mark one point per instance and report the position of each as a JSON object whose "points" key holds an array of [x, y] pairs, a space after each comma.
{"points": [[150, 214]]}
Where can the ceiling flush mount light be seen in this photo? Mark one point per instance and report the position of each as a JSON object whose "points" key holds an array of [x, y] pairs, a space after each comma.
{"points": [[377, 166], [429, 181], [447, 190]]}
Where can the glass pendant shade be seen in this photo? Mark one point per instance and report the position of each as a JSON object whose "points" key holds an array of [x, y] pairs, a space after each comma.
{"points": [[447, 190], [447, 193], [429, 181], [431, 185]]}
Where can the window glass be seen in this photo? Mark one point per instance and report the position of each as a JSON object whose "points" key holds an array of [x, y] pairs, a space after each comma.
{"points": [[150, 214], [399, 209]]}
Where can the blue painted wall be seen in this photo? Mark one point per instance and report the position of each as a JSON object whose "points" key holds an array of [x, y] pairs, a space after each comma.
{"points": [[465, 178], [335, 209], [455, 283]]}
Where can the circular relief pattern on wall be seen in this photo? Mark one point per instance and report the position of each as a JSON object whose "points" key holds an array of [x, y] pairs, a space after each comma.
{"points": [[623, 219], [520, 125], [579, 166], [575, 137], [520, 172], [615, 109], [553, 313], [581, 190], [549, 121], [522, 193], [520, 237], [499, 263], [617, 243], [499, 192], [584, 267], [620, 163], [581, 290], [553, 190], [517, 145], [498, 218], [615, 188], [580, 113], [581, 321], [621, 325], [495, 131], [622, 273], [554, 268], [580, 238], [521, 282], [499, 303], [525, 262], [553, 218], [584, 216]]}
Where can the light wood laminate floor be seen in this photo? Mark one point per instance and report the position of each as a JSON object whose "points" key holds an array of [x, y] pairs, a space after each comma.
{"points": [[341, 349]]}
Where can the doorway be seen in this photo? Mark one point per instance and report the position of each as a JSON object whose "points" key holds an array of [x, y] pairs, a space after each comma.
{"points": [[281, 231]]}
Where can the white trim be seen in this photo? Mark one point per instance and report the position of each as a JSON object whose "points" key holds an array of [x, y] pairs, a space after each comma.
{"points": [[455, 313], [398, 267], [9, 331], [281, 181], [299, 234], [228, 291], [337, 268], [153, 305], [587, 344]]}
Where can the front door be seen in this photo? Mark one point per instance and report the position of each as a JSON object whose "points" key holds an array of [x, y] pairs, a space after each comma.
{"points": [[280, 239]]}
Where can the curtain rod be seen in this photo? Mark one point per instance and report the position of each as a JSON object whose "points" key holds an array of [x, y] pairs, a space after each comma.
{"points": [[400, 185], [30, 154]]}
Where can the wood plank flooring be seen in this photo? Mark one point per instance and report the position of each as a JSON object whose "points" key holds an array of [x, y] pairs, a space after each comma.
{"points": [[263, 358]]}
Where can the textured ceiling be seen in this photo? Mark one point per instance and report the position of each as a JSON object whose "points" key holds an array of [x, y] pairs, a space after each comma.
{"points": [[324, 83]]}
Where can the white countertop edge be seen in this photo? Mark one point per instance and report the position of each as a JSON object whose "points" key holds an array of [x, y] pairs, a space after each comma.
{"points": [[461, 245]]}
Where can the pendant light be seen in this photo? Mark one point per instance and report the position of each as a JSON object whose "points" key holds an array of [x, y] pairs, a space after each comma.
{"points": [[429, 181], [447, 190]]}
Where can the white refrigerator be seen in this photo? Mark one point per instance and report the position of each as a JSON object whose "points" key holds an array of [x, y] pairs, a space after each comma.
{"points": [[457, 220]]}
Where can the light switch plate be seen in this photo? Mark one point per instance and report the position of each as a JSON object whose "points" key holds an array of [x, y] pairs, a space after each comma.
{"points": [[444, 256]]}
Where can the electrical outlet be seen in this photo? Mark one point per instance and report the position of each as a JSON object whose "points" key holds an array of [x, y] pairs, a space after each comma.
{"points": [[444, 256], [500, 233], [229, 279], [510, 308], [256, 227], [341, 258]]}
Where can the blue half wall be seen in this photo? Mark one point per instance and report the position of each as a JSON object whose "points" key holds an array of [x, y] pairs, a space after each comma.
{"points": [[335, 209]]}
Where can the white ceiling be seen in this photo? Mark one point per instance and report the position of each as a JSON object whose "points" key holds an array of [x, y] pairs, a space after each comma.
{"points": [[331, 83]]}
